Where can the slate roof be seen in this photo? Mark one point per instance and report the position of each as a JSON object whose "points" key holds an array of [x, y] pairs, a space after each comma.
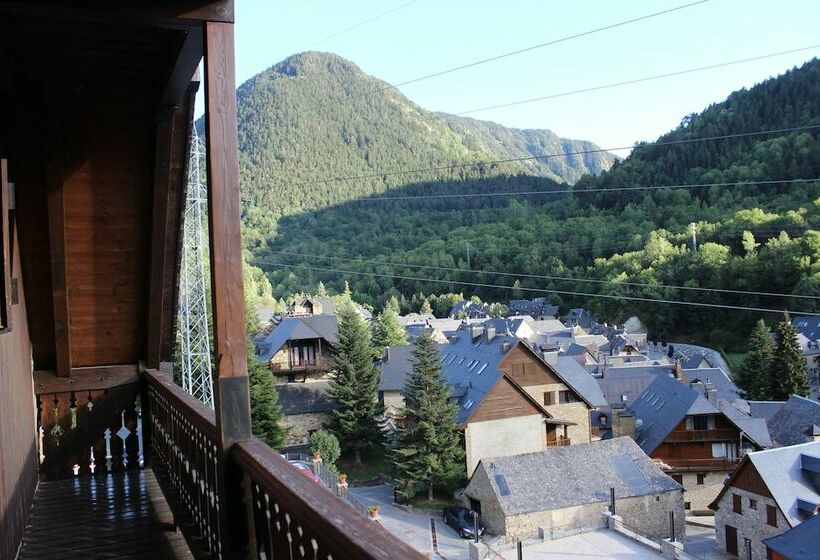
{"points": [[755, 428], [632, 386], [535, 307], [552, 479], [764, 409], [726, 389], [784, 474], [470, 309], [798, 543], [795, 421], [296, 328], [692, 362], [809, 326], [470, 367], [303, 398], [576, 375], [548, 326]]}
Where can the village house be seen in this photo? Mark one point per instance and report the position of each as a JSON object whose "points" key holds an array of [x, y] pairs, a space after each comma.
{"points": [[465, 309], [579, 317], [306, 408], [796, 421], [298, 347], [564, 491], [798, 543], [771, 492], [537, 308], [698, 438], [510, 399]]}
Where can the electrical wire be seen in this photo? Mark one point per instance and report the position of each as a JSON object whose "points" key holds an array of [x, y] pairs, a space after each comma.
{"points": [[546, 291], [360, 24], [562, 154], [636, 81], [546, 277]]}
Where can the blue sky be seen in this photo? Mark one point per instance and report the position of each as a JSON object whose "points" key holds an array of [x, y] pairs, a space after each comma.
{"points": [[432, 35]]}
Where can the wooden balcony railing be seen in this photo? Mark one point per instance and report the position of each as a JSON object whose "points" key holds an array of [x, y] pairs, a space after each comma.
{"points": [[717, 434], [719, 464], [560, 442], [288, 515]]}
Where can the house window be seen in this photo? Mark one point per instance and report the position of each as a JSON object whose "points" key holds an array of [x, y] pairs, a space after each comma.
{"points": [[701, 478], [566, 397], [752, 504], [771, 516], [549, 398], [678, 478], [700, 423], [724, 450], [737, 504], [5, 249], [687, 505]]}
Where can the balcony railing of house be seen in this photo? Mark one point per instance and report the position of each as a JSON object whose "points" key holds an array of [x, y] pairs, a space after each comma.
{"points": [[701, 464], [717, 434], [560, 442], [274, 510]]}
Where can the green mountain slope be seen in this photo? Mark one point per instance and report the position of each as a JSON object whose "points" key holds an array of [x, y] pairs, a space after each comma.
{"points": [[756, 238], [317, 115]]}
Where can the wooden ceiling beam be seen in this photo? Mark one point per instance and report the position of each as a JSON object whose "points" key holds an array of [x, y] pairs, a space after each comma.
{"points": [[153, 13], [183, 69]]}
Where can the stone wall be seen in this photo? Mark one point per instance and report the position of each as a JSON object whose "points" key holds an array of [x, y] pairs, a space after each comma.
{"points": [[500, 438], [576, 412], [750, 523], [393, 402], [300, 425], [699, 496]]}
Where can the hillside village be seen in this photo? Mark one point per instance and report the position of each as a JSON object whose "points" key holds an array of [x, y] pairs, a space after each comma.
{"points": [[543, 394]]}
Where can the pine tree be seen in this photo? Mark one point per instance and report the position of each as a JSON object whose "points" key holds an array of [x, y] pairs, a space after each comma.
{"points": [[266, 413], [517, 292], [787, 374], [388, 331], [427, 452], [425, 308], [321, 291], [753, 374], [354, 386]]}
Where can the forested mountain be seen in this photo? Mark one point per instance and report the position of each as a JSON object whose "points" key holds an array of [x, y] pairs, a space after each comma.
{"points": [[761, 237], [316, 115]]}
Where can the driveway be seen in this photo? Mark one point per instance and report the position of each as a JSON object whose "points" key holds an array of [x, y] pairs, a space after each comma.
{"points": [[411, 527], [700, 543]]}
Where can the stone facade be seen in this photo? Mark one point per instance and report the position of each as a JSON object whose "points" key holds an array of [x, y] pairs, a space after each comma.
{"points": [[300, 426], [499, 438], [577, 412], [699, 496], [393, 402], [750, 523]]}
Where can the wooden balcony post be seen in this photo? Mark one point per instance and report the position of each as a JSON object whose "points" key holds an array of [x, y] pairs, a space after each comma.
{"points": [[231, 392]]}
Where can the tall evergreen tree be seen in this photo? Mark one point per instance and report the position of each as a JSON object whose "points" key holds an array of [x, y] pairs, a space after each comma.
{"points": [[355, 385], [321, 291], [753, 374], [425, 308], [427, 452], [388, 331], [788, 374], [266, 413]]}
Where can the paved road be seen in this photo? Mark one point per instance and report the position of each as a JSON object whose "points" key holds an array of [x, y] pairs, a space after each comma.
{"points": [[413, 528], [700, 543]]}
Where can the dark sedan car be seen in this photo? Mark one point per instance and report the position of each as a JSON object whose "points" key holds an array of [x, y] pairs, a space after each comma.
{"points": [[461, 520]]}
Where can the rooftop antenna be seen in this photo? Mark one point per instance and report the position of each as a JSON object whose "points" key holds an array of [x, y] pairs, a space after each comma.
{"points": [[195, 345]]}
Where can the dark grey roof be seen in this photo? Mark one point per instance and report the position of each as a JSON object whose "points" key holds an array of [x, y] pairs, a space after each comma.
{"points": [[470, 309], [764, 409], [326, 325], [311, 327], [574, 475], [576, 375], [754, 428], [782, 472], [798, 543], [624, 388], [535, 307], [633, 371], [303, 398], [809, 326], [726, 389], [793, 423], [395, 368], [692, 362], [661, 407]]}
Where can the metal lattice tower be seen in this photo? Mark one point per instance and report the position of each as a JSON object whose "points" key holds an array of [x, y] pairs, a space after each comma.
{"points": [[195, 345]]}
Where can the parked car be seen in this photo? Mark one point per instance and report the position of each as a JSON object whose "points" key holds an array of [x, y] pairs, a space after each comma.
{"points": [[307, 470], [461, 520]]}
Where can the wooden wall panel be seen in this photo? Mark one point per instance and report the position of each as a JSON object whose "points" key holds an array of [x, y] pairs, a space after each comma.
{"points": [[504, 401], [18, 451], [108, 151], [532, 371]]}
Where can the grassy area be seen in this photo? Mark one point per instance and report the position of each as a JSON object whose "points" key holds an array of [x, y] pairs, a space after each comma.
{"points": [[373, 465], [734, 359]]}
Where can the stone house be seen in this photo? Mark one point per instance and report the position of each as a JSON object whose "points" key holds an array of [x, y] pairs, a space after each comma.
{"points": [[510, 399], [771, 492], [306, 407], [298, 346], [537, 308], [808, 328], [698, 438], [566, 490]]}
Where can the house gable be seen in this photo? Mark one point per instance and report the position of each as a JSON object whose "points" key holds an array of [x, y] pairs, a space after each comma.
{"points": [[505, 400], [746, 478], [526, 369]]}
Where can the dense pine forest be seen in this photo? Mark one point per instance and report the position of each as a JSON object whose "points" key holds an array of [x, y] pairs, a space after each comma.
{"points": [[754, 237]]}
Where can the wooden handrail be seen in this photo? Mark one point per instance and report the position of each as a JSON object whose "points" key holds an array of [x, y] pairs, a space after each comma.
{"points": [[715, 434], [292, 511], [200, 415]]}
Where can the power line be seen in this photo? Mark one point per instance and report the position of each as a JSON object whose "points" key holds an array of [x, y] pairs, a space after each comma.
{"points": [[583, 191], [637, 80], [528, 49], [546, 277], [360, 24], [547, 291], [562, 154]]}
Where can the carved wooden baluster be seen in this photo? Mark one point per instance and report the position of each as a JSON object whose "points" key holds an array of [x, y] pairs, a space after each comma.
{"points": [[123, 434], [108, 458], [92, 465], [56, 430], [140, 450], [90, 404], [73, 410]]}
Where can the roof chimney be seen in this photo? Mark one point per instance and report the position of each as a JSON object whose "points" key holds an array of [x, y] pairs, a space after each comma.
{"points": [[386, 354], [489, 333]]}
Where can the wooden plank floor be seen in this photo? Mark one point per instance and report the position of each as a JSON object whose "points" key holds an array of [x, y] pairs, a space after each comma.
{"points": [[121, 516]]}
